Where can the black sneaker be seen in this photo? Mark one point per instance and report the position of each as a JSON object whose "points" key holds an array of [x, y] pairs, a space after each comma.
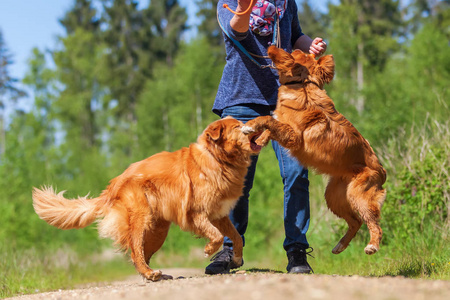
{"points": [[297, 262], [222, 262]]}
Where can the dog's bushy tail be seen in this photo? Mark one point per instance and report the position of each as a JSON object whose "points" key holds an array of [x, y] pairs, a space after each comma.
{"points": [[65, 213]]}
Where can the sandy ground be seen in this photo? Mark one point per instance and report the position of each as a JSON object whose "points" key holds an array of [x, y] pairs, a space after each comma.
{"points": [[193, 284]]}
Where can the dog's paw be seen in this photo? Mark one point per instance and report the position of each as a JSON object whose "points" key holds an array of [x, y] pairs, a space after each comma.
{"points": [[263, 139], [371, 249], [338, 249], [212, 247], [247, 129], [153, 275]]}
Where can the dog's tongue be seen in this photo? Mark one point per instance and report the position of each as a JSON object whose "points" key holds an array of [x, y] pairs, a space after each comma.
{"points": [[255, 147], [253, 144]]}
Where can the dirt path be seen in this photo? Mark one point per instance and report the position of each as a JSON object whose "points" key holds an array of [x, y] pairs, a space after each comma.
{"points": [[193, 284]]}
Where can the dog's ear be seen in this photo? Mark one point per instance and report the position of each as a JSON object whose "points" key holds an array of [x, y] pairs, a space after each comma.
{"points": [[280, 58], [325, 68], [214, 131]]}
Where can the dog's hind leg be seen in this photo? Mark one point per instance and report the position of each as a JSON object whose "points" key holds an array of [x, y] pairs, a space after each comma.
{"points": [[227, 229], [154, 238], [140, 221], [367, 196], [336, 197], [137, 251]]}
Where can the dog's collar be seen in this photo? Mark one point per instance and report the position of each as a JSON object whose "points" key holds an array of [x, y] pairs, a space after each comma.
{"points": [[305, 82]]}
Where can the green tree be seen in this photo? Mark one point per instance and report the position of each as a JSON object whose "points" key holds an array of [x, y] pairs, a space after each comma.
{"points": [[137, 40], [168, 22], [175, 106], [209, 27], [314, 23], [362, 37], [9, 92], [78, 71], [413, 85], [41, 81], [78, 109], [81, 15], [129, 58], [34, 158], [419, 10]]}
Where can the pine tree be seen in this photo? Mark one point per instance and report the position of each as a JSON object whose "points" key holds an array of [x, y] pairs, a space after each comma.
{"points": [[77, 68], [129, 58], [9, 92], [168, 22], [138, 40], [82, 15]]}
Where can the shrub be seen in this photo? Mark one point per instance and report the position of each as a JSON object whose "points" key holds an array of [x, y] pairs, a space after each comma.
{"points": [[418, 167]]}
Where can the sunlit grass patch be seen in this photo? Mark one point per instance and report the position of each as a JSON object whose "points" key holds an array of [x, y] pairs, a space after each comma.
{"points": [[30, 271]]}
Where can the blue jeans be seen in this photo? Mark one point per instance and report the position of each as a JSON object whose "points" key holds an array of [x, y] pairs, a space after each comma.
{"points": [[295, 181]]}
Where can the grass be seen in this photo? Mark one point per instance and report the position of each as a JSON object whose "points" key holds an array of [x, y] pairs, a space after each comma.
{"points": [[31, 271], [426, 256], [415, 241]]}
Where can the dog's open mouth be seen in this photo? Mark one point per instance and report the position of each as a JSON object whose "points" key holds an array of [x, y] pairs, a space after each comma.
{"points": [[255, 147]]}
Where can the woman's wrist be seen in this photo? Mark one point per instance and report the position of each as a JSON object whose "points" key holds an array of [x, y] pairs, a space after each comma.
{"points": [[240, 23]]}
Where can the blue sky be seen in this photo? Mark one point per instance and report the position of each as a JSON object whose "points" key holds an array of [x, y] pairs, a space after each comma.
{"points": [[26, 24]]}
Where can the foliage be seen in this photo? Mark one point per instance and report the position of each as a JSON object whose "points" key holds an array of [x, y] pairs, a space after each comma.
{"points": [[122, 85], [362, 36], [8, 84], [81, 16], [175, 107], [209, 27], [411, 86], [419, 193], [30, 271], [8, 89], [313, 22]]}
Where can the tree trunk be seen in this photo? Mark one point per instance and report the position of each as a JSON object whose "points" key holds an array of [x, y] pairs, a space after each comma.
{"points": [[198, 112], [166, 128], [360, 79]]}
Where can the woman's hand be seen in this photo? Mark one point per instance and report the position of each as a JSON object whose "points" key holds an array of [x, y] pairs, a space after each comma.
{"points": [[244, 5], [240, 22], [318, 46]]}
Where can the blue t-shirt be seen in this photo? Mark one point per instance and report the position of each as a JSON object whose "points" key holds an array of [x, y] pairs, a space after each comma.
{"points": [[243, 82]]}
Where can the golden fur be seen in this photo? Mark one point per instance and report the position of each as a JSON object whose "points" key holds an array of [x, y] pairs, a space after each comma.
{"points": [[306, 122], [194, 187]]}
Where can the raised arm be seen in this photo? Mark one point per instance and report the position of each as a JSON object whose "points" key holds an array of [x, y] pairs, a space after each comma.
{"points": [[240, 23]]}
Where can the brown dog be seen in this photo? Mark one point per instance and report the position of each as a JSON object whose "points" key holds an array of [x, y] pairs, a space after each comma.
{"points": [[307, 123], [194, 187]]}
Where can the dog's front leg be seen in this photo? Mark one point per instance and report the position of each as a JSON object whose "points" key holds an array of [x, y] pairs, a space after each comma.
{"points": [[227, 229], [280, 132], [258, 124], [204, 228]]}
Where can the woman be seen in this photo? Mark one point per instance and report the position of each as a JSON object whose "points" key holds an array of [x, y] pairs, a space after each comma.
{"points": [[248, 89]]}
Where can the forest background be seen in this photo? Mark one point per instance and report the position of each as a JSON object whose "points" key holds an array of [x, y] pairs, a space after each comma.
{"points": [[122, 84]]}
